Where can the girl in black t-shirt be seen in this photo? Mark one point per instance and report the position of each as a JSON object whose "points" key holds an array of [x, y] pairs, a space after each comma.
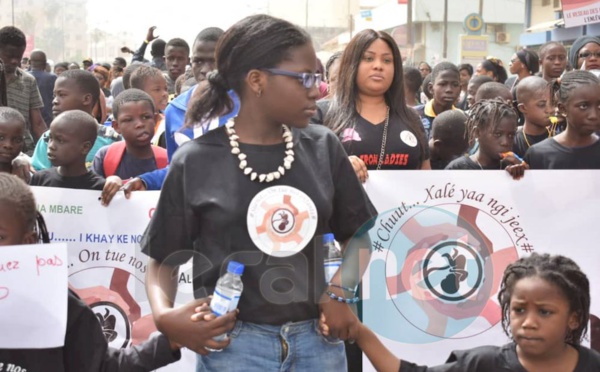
{"points": [[578, 147], [493, 123], [260, 190], [369, 112], [545, 302]]}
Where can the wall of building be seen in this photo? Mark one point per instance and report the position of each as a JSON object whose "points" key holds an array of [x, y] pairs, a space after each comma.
{"points": [[494, 11], [542, 13], [431, 50]]}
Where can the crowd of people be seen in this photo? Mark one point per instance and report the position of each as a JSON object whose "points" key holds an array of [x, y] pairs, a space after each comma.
{"points": [[253, 108]]}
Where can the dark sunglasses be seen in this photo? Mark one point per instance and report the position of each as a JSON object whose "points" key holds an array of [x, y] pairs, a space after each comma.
{"points": [[307, 79], [585, 55]]}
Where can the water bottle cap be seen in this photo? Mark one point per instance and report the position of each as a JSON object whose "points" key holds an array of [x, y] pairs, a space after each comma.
{"points": [[328, 238], [235, 268]]}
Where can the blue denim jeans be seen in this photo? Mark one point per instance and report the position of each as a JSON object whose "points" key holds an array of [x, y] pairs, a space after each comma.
{"points": [[290, 347]]}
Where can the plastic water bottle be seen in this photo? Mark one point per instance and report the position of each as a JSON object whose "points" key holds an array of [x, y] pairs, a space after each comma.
{"points": [[227, 292], [332, 255]]}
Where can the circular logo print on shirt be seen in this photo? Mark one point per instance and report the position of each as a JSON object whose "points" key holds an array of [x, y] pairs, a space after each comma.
{"points": [[408, 138], [281, 220]]}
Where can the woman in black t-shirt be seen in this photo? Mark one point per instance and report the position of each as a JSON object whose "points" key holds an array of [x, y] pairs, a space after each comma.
{"points": [[259, 192], [369, 112]]}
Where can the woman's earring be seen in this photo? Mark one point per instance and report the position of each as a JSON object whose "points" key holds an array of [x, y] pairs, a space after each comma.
{"points": [[259, 93]]}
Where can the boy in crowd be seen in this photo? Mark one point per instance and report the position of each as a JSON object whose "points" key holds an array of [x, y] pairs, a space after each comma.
{"points": [[12, 130], [449, 138], [21, 88], [134, 118], [445, 89], [72, 135], [151, 80], [177, 57], [75, 90], [533, 98]]}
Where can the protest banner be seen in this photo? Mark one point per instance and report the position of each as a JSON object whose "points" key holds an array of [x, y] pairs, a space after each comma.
{"points": [[443, 239], [106, 267], [33, 296]]}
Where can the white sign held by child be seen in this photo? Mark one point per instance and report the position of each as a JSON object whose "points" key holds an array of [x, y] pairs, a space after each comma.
{"points": [[33, 296]]}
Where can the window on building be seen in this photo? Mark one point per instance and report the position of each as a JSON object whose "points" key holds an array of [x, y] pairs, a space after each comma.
{"points": [[546, 2], [557, 4]]}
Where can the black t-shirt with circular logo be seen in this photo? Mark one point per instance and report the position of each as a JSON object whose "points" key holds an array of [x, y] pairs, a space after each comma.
{"points": [[212, 212], [402, 149]]}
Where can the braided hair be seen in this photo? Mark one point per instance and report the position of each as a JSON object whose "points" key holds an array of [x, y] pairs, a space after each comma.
{"points": [[15, 192], [561, 89], [557, 270], [487, 114]]}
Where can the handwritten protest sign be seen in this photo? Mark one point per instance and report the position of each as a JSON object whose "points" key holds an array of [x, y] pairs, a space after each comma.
{"points": [[33, 296], [106, 266]]}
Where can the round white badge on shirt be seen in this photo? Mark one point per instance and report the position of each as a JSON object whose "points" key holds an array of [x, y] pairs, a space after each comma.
{"points": [[281, 220], [408, 138]]}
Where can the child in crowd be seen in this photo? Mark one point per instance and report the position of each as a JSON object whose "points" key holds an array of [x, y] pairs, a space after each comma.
{"points": [[533, 100], [152, 81], [72, 136], [545, 302], [494, 124], [449, 138], [257, 139], [75, 90], [134, 118], [12, 130], [445, 88], [85, 347], [578, 147], [553, 60], [474, 84], [412, 83], [177, 56]]}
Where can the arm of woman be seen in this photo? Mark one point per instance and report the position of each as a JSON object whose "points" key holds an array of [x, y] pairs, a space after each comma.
{"points": [[426, 165]]}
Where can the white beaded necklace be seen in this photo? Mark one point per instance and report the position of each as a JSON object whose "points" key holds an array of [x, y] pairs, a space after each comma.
{"points": [[248, 171]]}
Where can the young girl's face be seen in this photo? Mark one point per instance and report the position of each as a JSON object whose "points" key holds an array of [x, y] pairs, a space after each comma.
{"points": [[540, 318], [13, 231], [582, 109], [11, 140], [286, 99], [495, 141]]}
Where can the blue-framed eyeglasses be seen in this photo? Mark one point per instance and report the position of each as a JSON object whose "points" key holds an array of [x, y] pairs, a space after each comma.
{"points": [[307, 79]]}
